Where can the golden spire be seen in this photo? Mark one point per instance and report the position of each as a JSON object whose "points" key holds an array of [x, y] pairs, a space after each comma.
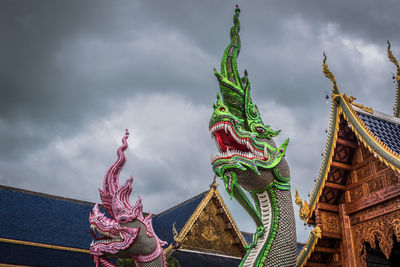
{"points": [[330, 76], [396, 110]]}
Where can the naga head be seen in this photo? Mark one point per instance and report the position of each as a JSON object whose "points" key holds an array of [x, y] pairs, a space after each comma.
{"points": [[126, 234], [244, 142]]}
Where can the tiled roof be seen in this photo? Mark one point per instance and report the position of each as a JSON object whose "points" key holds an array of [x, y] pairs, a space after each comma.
{"points": [[42, 219], [190, 259], [388, 130], [180, 214]]}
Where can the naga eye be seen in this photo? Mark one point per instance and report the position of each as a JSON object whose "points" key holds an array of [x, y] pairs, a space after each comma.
{"points": [[222, 109], [260, 129]]}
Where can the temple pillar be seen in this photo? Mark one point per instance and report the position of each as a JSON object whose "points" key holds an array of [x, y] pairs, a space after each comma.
{"points": [[348, 251]]}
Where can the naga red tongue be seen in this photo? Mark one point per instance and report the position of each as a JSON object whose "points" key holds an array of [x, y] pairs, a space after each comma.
{"points": [[226, 141], [221, 143], [95, 237]]}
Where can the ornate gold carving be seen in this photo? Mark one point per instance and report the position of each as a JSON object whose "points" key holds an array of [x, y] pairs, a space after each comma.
{"points": [[330, 76], [211, 233], [317, 232], [327, 72], [350, 100], [304, 211], [394, 60], [378, 231], [330, 222]]}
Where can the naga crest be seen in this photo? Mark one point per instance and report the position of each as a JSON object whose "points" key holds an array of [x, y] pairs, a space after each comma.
{"points": [[127, 234], [243, 140]]}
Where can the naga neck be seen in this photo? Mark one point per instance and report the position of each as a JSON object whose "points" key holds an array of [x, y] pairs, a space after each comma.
{"points": [[158, 261]]}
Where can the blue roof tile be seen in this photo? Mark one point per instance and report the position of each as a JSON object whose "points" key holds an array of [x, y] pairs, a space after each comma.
{"points": [[388, 132], [180, 214], [40, 218]]}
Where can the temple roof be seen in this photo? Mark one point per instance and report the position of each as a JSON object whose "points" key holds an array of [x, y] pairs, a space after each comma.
{"points": [[351, 124]]}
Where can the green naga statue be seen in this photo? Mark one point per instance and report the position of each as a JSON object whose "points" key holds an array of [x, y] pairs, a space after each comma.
{"points": [[248, 158]]}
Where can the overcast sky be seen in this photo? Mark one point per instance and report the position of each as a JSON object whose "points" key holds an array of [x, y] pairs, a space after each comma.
{"points": [[75, 74]]}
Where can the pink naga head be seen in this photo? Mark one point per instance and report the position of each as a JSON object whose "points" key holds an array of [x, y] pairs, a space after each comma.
{"points": [[127, 234]]}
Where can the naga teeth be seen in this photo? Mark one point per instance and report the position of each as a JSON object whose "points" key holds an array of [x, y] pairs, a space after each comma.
{"points": [[253, 153]]}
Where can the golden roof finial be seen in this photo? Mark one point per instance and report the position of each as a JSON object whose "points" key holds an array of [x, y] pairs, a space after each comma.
{"points": [[317, 231], [304, 211], [396, 110], [391, 57], [330, 76]]}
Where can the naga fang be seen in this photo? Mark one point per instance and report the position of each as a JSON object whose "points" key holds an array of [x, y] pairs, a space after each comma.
{"points": [[248, 158], [127, 234]]}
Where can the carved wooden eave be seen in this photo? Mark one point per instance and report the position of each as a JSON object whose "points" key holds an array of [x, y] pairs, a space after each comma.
{"points": [[212, 229]]}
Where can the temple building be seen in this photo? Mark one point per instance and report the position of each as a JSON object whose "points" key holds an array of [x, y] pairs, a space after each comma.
{"points": [[355, 204]]}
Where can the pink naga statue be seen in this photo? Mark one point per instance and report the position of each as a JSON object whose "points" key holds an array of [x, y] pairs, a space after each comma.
{"points": [[127, 234]]}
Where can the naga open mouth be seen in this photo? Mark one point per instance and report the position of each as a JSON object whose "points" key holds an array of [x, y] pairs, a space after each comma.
{"points": [[105, 237], [230, 144]]}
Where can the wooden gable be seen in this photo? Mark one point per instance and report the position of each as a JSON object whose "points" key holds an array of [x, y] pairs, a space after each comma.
{"points": [[211, 229]]}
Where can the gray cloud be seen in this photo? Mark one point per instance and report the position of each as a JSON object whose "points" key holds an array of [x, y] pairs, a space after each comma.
{"points": [[75, 74]]}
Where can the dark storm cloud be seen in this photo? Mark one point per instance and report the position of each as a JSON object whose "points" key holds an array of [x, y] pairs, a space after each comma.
{"points": [[74, 73]]}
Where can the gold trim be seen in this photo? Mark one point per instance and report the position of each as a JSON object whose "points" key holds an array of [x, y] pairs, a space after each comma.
{"points": [[35, 244], [323, 176], [317, 235], [196, 214]]}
